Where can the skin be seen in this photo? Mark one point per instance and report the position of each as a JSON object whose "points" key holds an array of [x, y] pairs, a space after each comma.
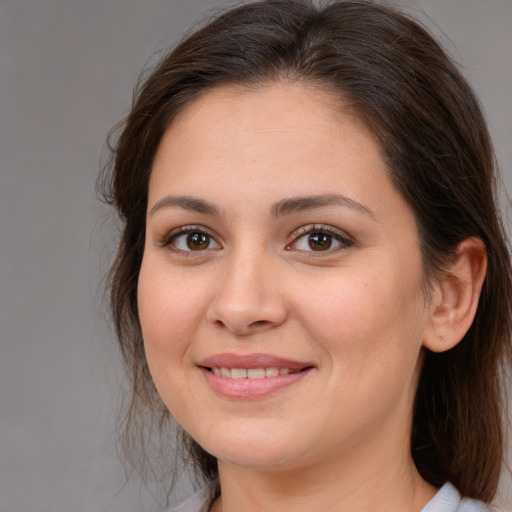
{"points": [[338, 438]]}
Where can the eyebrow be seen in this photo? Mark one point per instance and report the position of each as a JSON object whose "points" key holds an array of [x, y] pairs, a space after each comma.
{"points": [[299, 204], [279, 209], [189, 203]]}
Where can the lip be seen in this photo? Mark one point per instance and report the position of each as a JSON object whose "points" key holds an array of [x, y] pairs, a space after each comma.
{"points": [[252, 388], [229, 360]]}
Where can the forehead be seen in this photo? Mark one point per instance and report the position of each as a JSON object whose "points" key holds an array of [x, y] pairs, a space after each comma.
{"points": [[290, 99], [275, 133]]}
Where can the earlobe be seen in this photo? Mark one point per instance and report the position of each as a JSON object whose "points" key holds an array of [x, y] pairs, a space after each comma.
{"points": [[456, 296]]}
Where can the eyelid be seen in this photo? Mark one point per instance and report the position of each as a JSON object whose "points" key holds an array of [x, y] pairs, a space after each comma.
{"points": [[344, 238], [169, 237]]}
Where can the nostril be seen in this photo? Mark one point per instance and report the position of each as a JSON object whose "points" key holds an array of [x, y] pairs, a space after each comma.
{"points": [[259, 323], [245, 314], [244, 329], [219, 323]]}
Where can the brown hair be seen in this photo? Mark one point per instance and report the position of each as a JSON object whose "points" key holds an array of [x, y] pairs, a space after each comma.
{"points": [[410, 95]]}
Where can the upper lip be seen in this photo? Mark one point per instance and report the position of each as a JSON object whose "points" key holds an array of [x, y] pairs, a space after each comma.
{"points": [[228, 360]]}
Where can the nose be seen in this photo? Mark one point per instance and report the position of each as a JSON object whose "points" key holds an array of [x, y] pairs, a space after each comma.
{"points": [[248, 297]]}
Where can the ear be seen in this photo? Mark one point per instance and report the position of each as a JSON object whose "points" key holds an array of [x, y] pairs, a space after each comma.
{"points": [[455, 296]]}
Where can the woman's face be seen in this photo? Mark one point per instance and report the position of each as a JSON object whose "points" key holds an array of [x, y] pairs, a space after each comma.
{"points": [[281, 288]]}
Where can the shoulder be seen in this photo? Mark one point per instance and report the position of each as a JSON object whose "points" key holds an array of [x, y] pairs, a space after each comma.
{"points": [[448, 499]]}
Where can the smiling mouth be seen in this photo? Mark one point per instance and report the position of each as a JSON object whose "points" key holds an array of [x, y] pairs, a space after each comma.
{"points": [[251, 376], [253, 373]]}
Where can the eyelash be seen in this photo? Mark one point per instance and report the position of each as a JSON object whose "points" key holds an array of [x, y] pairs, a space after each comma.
{"points": [[339, 236], [343, 239], [170, 239]]}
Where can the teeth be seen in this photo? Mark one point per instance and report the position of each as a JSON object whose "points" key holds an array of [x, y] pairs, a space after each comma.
{"points": [[251, 373], [255, 373], [272, 372], [238, 373]]}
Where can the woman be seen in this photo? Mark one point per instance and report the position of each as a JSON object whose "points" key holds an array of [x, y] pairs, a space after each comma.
{"points": [[312, 273]]}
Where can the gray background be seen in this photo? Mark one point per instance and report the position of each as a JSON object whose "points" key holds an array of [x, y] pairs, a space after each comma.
{"points": [[67, 69]]}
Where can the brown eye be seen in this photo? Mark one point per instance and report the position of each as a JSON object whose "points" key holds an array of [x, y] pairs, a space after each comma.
{"points": [[320, 238], [320, 241], [198, 241], [191, 240]]}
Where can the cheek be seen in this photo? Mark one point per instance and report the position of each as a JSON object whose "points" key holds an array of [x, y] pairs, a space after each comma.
{"points": [[170, 312], [369, 329], [168, 316], [366, 318]]}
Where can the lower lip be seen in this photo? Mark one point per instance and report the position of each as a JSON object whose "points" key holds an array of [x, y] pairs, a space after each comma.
{"points": [[251, 388]]}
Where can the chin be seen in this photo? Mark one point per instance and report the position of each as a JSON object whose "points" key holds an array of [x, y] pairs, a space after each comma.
{"points": [[261, 452]]}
